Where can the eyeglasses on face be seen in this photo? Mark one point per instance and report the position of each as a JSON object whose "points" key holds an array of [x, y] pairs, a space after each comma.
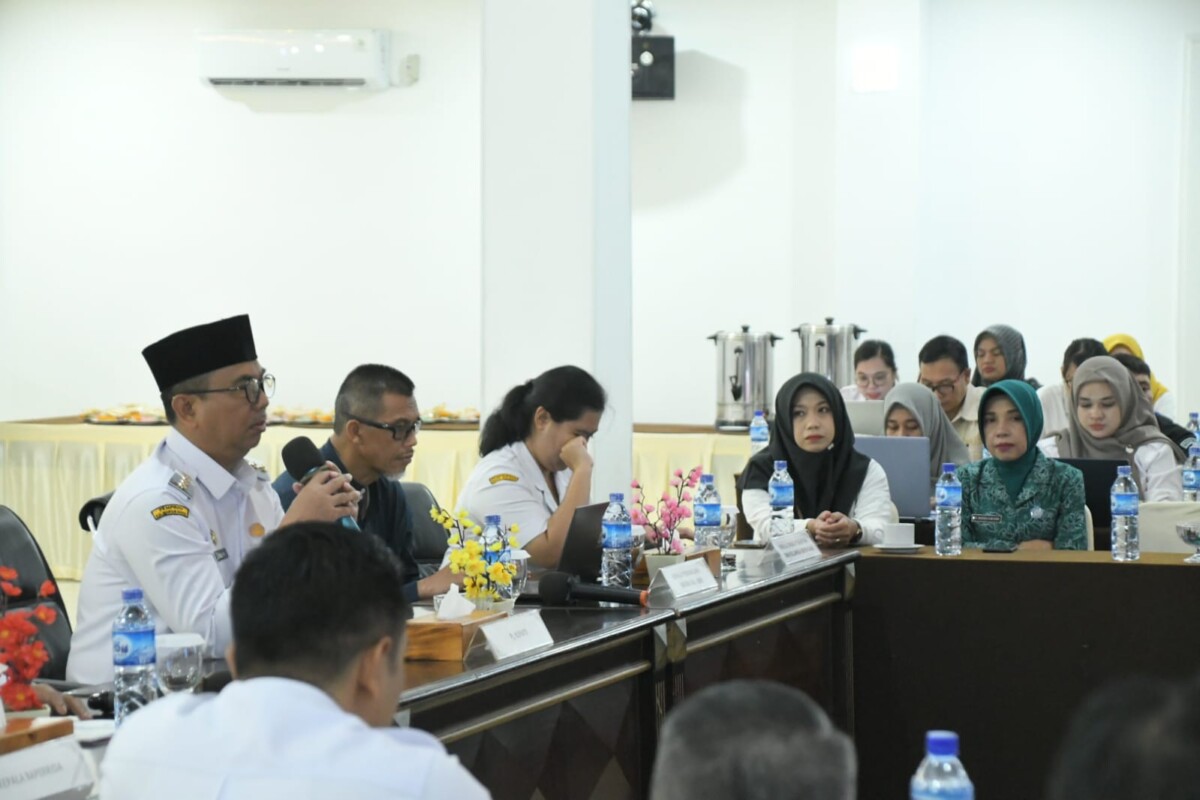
{"points": [[943, 389], [878, 379], [399, 432], [253, 388]]}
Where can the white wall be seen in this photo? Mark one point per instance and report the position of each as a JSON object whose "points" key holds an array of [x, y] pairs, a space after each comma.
{"points": [[135, 200]]}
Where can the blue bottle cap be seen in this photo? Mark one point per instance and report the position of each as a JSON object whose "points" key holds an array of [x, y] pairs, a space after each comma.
{"points": [[941, 743], [707, 478], [616, 497], [759, 413], [948, 467], [131, 595], [491, 519], [1124, 469], [1194, 450], [780, 465]]}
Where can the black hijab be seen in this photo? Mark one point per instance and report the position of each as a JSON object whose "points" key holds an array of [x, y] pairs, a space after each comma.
{"points": [[828, 481]]}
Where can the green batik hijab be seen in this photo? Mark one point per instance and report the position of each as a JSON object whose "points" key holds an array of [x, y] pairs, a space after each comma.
{"points": [[1024, 397]]}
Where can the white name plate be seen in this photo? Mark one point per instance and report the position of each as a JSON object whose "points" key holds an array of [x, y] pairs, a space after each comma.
{"points": [[56, 768], [517, 634], [795, 548], [688, 578]]}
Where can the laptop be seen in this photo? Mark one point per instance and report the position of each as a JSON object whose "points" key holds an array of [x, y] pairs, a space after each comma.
{"points": [[1098, 477], [905, 459], [866, 417], [581, 551]]}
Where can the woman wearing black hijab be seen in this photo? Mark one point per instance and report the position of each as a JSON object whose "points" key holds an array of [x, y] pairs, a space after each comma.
{"points": [[841, 496]]}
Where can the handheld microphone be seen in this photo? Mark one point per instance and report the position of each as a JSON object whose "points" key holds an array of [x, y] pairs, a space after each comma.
{"points": [[559, 588], [303, 460]]}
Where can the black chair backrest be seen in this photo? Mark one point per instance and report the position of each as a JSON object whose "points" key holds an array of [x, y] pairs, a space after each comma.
{"points": [[93, 508], [429, 538], [20, 551]]}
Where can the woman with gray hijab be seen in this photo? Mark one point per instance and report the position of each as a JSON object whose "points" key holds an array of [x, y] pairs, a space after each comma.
{"points": [[1113, 419], [999, 355], [910, 409]]}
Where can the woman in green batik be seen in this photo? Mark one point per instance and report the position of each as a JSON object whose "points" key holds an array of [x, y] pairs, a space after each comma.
{"points": [[1018, 496]]}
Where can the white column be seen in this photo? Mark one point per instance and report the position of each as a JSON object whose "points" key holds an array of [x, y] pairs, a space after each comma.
{"points": [[1187, 366], [556, 276]]}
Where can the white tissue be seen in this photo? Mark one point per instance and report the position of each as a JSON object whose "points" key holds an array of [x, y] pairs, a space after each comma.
{"points": [[454, 605]]}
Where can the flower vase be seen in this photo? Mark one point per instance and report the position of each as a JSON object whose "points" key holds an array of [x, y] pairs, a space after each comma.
{"points": [[29, 713], [656, 561], [483, 602]]}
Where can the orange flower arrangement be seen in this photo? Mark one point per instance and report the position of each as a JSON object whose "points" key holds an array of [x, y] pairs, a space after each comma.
{"points": [[21, 651]]}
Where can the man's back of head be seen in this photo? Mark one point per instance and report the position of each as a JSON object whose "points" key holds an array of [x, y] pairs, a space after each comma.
{"points": [[1135, 740], [752, 740]]}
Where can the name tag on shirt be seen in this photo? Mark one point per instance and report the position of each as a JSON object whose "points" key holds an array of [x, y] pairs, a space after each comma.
{"points": [[517, 634], [220, 555], [986, 518], [795, 548], [687, 578]]}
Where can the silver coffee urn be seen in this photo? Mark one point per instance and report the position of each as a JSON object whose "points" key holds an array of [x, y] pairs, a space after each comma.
{"points": [[829, 350], [744, 376]]}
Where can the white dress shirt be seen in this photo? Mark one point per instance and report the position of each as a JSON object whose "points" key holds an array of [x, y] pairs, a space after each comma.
{"points": [[177, 528], [872, 509], [966, 422], [510, 483], [268, 738], [1056, 408]]}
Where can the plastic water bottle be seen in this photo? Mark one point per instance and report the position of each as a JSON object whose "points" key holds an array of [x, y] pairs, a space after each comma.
{"points": [[616, 561], [948, 498], [760, 433], [782, 492], [1191, 475], [941, 775], [1124, 503], [706, 511], [1194, 422], [133, 656]]}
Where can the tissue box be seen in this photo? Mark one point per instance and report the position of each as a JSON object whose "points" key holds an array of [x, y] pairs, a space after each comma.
{"points": [[433, 639]]}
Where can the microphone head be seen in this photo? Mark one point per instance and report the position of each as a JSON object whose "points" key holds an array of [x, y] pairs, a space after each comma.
{"points": [[301, 456], [554, 588]]}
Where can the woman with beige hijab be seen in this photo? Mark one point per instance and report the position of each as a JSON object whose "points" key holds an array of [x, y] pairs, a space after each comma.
{"points": [[1113, 419], [911, 409]]}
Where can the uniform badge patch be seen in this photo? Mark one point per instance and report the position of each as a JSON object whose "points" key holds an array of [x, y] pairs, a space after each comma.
{"points": [[257, 530], [220, 555], [170, 510], [503, 476]]}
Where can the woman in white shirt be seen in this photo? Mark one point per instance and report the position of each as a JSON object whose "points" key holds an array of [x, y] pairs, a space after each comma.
{"points": [[874, 372], [536, 468], [1113, 419], [841, 496]]}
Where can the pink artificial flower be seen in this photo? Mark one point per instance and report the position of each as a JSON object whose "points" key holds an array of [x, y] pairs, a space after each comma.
{"points": [[666, 496], [675, 481], [687, 497], [672, 503], [685, 512], [676, 546], [635, 484], [651, 535], [678, 473], [636, 517], [649, 509]]}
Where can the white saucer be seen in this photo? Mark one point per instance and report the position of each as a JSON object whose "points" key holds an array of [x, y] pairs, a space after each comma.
{"points": [[898, 548]]}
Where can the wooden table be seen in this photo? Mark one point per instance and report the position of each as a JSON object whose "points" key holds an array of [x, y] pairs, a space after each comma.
{"points": [[1003, 648]]}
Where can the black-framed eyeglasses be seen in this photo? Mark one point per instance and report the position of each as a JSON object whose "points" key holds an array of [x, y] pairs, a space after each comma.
{"points": [[943, 389], [399, 432], [253, 388]]}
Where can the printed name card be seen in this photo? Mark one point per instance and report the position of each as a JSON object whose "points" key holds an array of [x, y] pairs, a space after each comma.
{"points": [[795, 548], [689, 577], [517, 634]]}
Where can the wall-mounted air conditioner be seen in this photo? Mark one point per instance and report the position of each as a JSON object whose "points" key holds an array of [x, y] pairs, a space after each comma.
{"points": [[294, 58]]}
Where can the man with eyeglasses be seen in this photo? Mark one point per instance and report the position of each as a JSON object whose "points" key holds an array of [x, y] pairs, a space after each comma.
{"points": [[180, 525], [375, 427], [944, 370]]}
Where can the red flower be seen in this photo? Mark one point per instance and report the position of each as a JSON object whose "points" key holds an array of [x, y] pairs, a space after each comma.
{"points": [[45, 614], [9, 589], [18, 627], [18, 696], [47, 588], [8, 573]]}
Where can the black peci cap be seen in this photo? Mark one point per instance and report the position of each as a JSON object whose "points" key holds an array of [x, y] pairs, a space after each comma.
{"points": [[200, 349]]}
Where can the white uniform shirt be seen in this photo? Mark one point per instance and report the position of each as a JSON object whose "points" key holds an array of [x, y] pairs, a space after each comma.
{"points": [[872, 509], [510, 483], [1056, 408], [181, 546], [966, 422], [272, 738], [1160, 478]]}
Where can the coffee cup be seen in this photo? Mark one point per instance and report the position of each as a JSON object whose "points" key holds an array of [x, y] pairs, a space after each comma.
{"points": [[898, 534]]}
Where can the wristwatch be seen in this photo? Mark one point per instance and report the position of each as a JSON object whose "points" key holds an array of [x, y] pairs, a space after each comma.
{"points": [[858, 536]]}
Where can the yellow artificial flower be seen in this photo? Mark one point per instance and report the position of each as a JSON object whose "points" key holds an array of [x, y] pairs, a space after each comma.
{"points": [[468, 583], [514, 528], [473, 548], [454, 540], [477, 530], [476, 567], [498, 573], [512, 542], [433, 512], [496, 546]]}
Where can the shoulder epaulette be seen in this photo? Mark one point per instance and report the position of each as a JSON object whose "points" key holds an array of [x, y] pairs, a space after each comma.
{"points": [[182, 482]]}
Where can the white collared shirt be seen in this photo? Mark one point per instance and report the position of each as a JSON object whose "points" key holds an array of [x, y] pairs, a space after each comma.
{"points": [[270, 738], [872, 509], [182, 551], [966, 422], [510, 483]]}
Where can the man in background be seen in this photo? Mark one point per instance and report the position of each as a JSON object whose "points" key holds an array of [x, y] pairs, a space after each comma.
{"points": [[318, 657], [944, 370], [1141, 373]]}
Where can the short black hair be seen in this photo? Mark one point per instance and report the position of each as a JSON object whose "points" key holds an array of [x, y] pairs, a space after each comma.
{"points": [[752, 739], [566, 392], [940, 347], [198, 383], [1080, 350], [361, 393], [875, 348], [311, 598], [1133, 740], [1132, 363]]}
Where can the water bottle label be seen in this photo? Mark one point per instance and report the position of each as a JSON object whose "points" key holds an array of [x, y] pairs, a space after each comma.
{"points": [[948, 496], [133, 648], [1124, 504], [707, 514], [617, 535], [759, 433], [783, 496], [1191, 479]]}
